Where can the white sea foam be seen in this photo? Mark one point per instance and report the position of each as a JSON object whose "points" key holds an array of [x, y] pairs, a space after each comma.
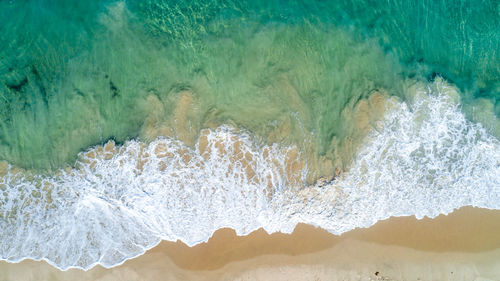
{"points": [[423, 159], [117, 204]]}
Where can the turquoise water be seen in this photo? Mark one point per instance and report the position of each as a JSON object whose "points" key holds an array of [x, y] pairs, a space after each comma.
{"points": [[77, 74], [124, 123]]}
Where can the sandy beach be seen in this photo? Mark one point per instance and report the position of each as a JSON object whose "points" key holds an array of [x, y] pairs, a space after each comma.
{"points": [[464, 245]]}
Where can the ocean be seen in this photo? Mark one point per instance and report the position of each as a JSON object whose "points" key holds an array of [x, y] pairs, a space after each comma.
{"points": [[124, 123]]}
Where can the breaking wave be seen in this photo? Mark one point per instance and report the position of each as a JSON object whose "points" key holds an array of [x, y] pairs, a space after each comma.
{"points": [[424, 158]]}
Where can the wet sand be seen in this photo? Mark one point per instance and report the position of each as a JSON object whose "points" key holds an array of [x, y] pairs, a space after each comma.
{"points": [[464, 245]]}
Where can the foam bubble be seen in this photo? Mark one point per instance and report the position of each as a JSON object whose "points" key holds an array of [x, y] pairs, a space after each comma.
{"points": [[424, 158]]}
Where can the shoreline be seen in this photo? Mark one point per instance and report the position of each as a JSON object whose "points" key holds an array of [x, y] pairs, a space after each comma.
{"points": [[400, 247]]}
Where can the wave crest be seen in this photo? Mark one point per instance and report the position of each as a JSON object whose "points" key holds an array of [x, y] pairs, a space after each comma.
{"points": [[424, 158]]}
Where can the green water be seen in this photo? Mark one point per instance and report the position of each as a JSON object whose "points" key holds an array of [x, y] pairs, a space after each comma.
{"points": [[75, 74]]}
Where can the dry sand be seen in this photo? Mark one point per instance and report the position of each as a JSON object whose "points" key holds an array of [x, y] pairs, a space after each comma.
{"points": [[464, 245]]}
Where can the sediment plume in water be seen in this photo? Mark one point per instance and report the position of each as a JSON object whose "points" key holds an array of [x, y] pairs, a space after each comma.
{"points": [[69, 84], [421, 159], [158, 120]]}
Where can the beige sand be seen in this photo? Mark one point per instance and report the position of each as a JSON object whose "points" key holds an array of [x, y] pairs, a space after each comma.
{"points": [[464, 245]]}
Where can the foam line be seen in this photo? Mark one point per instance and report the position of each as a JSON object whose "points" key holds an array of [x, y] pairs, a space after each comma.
{"points": [[424, 158]]}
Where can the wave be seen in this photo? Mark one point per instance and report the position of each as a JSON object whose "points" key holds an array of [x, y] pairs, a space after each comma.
{"points": [[424, 158]]}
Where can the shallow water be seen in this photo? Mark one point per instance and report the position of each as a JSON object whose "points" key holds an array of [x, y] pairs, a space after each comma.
{"points": [[153, 118], [76, 76]]}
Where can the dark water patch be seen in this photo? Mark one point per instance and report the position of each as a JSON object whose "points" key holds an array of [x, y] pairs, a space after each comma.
{"points": [[114, 90], [17, 87]]}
